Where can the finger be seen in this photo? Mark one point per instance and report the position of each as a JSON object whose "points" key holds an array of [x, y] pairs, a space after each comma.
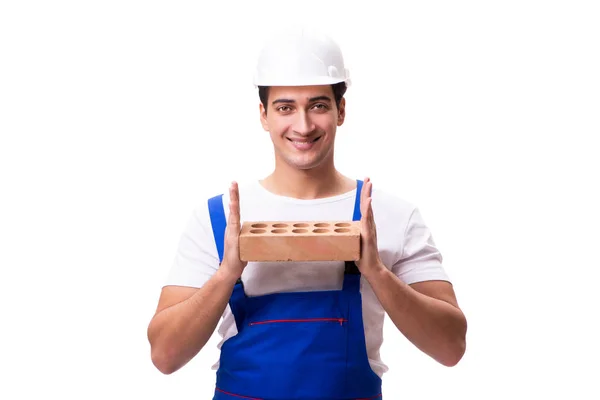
{"points": [[234, 204], [366, 228], [368, 207], [371, 217], [364, 195], [369, 211], [371, 207]]}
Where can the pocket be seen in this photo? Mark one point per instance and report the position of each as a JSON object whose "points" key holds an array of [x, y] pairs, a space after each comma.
{"points": [[287, 341], [290, 339], [300, 344], [303, 356]]}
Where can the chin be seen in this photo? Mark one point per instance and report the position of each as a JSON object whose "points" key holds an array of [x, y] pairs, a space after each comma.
{"points": [[306, 161], [304, 164]]}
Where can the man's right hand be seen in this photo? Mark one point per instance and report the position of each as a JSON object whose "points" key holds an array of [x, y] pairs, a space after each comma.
{"points": [[231, 252], [186, 317]]}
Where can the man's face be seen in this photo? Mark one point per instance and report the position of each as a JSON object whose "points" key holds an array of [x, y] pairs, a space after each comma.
{"points": [[302, 121]]}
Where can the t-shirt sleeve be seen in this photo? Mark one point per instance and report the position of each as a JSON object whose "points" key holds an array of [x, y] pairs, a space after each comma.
{"points": [[196, 259], [420, 259]]}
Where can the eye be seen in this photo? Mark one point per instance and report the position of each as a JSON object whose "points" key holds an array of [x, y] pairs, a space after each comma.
{"points": [[284, 109], [321, 107]]}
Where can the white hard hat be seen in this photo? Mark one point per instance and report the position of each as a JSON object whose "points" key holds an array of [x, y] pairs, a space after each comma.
{"points": [[300, 57]]}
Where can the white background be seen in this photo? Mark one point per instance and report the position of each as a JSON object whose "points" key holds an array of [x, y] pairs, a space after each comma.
{"points": [[485, 114]]}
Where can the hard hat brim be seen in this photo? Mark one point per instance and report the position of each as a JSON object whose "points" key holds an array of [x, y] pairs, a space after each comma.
{"points": [[313, 81]]}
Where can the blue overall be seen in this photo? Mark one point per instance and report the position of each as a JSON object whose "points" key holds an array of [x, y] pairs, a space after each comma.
{"points": [[295, 345]]}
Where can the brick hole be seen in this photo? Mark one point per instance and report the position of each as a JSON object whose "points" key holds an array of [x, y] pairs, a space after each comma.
{"points": [[320, 230], [257, 231], [259, 225], [342, 230], [300, 230], [300, 225], [321, 225], [280, 225], [342, 224], [278, 231]]}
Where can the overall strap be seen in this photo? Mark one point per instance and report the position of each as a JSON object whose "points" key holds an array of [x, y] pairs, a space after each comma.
{"points": [[356, 216], [218, 222], [350, 268]]}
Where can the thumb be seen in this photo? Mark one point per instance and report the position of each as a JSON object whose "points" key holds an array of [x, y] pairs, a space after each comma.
{"points": [[234, 208]]}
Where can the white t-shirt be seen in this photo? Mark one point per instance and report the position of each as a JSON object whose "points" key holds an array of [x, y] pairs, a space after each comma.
{"points": [[405, 245]]}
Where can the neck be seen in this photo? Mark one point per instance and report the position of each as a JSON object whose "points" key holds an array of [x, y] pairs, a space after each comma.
{"points": [[319, 182]]}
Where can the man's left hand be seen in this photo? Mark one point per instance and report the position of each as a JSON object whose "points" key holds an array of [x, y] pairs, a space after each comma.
{"points": [[370, 261]]}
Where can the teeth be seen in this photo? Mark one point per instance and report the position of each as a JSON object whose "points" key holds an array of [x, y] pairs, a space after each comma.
{"points": [[304, 141]]}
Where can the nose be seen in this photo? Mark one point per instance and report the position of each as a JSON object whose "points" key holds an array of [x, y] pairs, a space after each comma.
{"points": [[303, 125]]}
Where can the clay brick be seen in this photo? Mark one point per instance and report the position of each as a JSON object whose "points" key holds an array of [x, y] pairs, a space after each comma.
{"points": [[300, 241]]}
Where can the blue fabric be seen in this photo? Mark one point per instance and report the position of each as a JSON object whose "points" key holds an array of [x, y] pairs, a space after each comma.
{"points": [[357, 215], [297, 345], [218, 222]]}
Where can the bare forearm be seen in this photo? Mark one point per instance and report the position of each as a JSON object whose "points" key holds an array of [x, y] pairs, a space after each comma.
{"points": [[178, 333], [436, 327]]}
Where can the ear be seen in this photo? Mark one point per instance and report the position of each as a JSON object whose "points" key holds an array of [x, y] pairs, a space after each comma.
{"points": [[341, 112], [263, 117]]}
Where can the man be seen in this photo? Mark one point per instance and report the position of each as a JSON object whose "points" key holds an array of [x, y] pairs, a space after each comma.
{"points": [[304, 330]]}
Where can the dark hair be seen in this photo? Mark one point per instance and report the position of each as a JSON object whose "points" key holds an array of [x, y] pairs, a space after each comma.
{"points": [[339, 89]]}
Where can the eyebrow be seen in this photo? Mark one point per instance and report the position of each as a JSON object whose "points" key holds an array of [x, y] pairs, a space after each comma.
{"points": [[317, 98]]}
